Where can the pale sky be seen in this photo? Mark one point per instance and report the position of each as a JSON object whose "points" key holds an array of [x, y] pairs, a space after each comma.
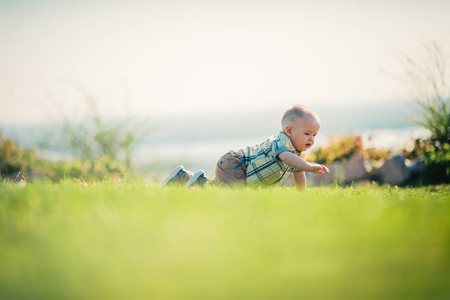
{"points": [[191, 56]]}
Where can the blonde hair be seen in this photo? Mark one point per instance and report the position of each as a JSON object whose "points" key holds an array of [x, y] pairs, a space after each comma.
{"points": [[295, 112]]}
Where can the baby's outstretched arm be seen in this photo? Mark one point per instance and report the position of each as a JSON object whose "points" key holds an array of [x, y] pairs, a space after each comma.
{"points": [[293, 160]]}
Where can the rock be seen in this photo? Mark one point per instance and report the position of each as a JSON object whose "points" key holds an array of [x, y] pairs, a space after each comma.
{"points": [[394, 171], [415, 166], [355, 170], [315, 179], [335, 175]]}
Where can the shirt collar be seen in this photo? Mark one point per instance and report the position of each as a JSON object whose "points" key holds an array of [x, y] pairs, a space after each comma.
{"points": [[283, 136]]}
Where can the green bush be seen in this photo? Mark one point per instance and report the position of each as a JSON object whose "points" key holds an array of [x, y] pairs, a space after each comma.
{"points": [[430, 87], [18, 162], [436, 159], [93, 136], [15, 159]]}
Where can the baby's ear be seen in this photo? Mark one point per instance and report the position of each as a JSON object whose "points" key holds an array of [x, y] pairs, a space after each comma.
{"points": [[288, 130]]}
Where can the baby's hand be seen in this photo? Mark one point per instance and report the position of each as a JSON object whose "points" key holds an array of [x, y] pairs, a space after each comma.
{"points": [[321, 169]]}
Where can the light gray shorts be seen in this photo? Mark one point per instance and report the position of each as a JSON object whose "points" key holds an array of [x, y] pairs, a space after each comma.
{"points": [[230, 169]]}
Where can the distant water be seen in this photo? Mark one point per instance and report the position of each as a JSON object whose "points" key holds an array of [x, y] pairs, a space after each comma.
{"points": [[203, 154], [199, 140]]}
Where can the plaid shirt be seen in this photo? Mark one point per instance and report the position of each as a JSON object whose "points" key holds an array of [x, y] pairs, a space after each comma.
{"points": [[263, 164]]}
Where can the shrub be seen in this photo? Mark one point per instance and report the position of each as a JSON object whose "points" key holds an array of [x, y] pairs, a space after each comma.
{"points": [[436, 159], [18, 162], [15, 159], [92, 137], [430, 87]]}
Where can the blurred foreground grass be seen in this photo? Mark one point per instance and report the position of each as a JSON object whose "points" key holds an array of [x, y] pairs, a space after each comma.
{"points": [[130, 241]]}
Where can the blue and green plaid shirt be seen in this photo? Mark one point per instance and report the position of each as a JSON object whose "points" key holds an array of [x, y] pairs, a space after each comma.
{"points": [[263, 164]]}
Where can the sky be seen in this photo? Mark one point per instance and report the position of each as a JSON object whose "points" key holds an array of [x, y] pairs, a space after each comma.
{"points": [[144, 58]]}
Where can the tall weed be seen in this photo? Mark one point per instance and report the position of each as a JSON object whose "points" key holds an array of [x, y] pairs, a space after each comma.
{"points": [[103, 141], [429, 84]]}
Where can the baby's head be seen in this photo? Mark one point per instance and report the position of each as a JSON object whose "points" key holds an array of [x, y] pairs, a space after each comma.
{"points": [[301, 125]]}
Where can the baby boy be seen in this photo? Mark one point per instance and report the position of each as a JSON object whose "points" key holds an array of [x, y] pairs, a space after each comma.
{"points": [[269, 162]]}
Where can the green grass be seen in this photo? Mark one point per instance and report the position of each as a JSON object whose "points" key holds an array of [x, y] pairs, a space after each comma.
{"points": [[130, 241]]}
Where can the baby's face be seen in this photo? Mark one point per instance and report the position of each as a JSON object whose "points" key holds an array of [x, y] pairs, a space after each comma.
{"points": [[303, 132]]}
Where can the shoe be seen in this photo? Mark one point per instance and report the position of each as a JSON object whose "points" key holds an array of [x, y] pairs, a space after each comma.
{"points": [[199, 178], [178, 176]]}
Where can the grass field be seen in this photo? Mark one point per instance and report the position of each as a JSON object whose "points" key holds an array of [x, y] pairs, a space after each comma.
{"points": [[131, 241]]}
